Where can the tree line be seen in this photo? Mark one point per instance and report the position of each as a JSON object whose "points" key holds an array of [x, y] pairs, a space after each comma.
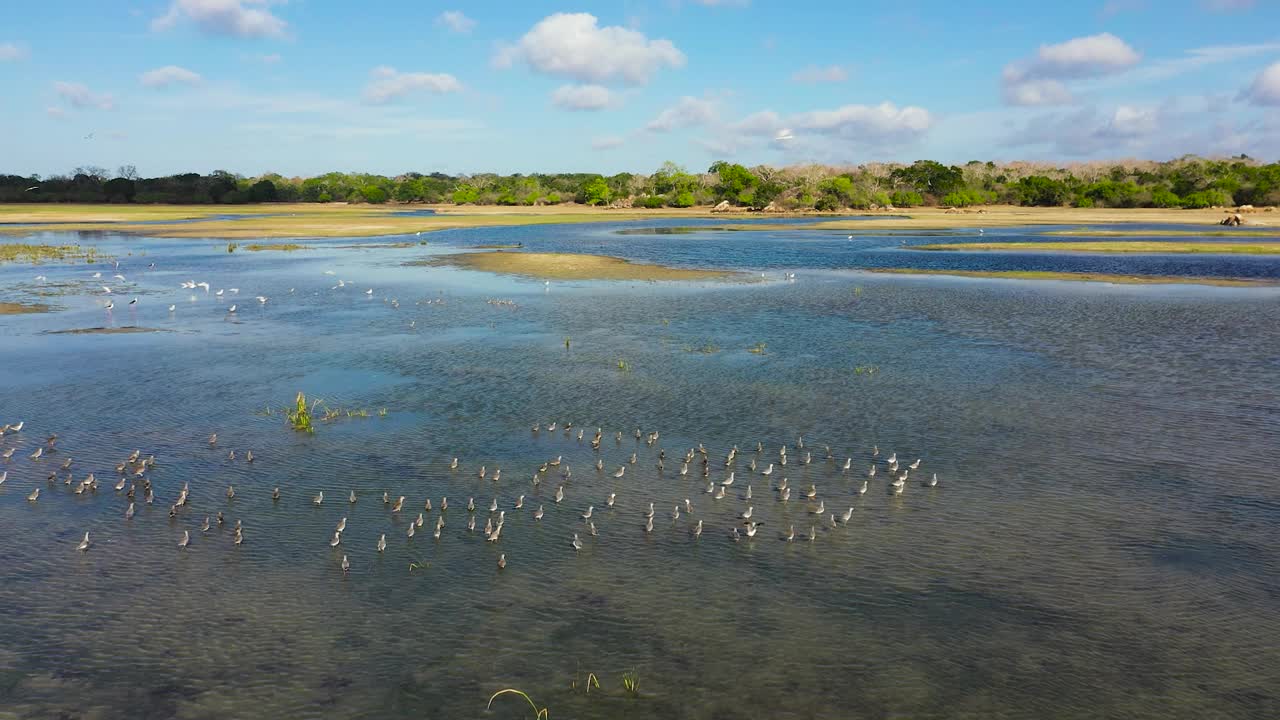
{"points": [[1187, 182]]}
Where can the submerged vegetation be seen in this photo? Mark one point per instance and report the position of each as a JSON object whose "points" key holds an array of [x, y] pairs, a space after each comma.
{"points": [[302, 416], [1186, 182], [36, 253], [280, 247], [539, 714]]}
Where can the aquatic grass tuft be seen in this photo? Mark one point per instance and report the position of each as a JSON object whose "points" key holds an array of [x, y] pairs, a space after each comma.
{"points": [[757, 349], [231, 247], [542, 714], [623, 366], [36, 253], [631, 683], [866, 370], [300, 416]]}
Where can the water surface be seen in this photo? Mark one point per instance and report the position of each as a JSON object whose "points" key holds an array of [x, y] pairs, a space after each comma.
{"points": [[1102, 541]]}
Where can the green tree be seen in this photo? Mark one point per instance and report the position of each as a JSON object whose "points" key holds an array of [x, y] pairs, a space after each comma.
{"points": [[735, 181], [262, 191], [466, 194], [373, 194], [595, 191], [906, 198], [1042, 191], [682, 199], [929, 177]]}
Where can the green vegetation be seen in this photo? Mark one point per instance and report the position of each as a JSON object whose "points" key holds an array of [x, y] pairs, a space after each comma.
{"points": [[10, 308], [231, 247], [1081, 277], [300, 416], [624, 366], [281, 247], [757, 349], [27, 252], [1118, 246], [631, 683], [538, 714], [1187, 182]]}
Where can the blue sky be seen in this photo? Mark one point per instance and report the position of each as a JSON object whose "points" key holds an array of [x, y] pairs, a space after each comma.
{"points": [[302, 87]]}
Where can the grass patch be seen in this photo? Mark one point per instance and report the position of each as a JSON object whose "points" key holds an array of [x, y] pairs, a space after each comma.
{"points": [[300, 416], [36, 253], [757, 349], [1082, 277], [1247, 232], [1128, 246], [570, 266], [279, 247], [9, 308]]}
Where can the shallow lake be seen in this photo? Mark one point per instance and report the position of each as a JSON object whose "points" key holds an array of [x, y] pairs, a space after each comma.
{"points": [[1103, 539]]}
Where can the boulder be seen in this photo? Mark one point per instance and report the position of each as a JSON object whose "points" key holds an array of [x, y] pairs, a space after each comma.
{"points": [[723, 206], [772, 208], [1233, 219], [1246, 209]]}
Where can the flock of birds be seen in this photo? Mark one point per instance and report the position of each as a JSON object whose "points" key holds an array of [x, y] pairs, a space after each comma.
{"points": [[731, 478]]}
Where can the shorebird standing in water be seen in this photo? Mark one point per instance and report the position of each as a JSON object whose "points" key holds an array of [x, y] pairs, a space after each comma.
{"points": [[84, 544]]}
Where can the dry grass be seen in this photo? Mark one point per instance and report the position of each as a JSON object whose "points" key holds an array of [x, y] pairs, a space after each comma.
{"points": [[11, 308], [301, 220], [1117, 246], [1083, 277], [572, 266], [1015, 216]]}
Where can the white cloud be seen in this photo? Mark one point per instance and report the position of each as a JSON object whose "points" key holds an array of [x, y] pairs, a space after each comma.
{"points": [[766, 122], [223, 17], [387, 84], [813, 75], [1037, 92], [55, 112], [885, 122], [78, 95], [688, 112], [1265, 89], [1038, 80], [456, 21], [1087, 131], [582, 97], [608, 142], [572, 44], [169, 75], [1195, 59], [12, 51]]}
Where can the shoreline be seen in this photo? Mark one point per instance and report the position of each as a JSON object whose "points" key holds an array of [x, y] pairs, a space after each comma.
{"points": [[302, 220], [569, 266], [1111, 247], [1081, 277]]}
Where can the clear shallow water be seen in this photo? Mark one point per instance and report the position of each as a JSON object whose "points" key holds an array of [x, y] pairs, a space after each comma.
{"points": [[1102, 541]]}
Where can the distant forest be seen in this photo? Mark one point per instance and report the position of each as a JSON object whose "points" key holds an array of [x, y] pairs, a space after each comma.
{"points": [[1188, 182]]}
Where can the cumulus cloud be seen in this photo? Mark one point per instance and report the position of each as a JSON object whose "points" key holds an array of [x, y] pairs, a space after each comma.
{"points": [[79, 96], [1265, 89], [1038, 80], [813, 74], [582, 97], [1088, 131], [456, 21], [688, 112], [169, 75], [241, 18], [574, 45], [608, 142], [12, 51], [387, 84], [849, 127]]}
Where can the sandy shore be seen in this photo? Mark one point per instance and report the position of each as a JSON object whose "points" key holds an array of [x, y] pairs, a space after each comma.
{"points": [[571, 266], [1081, 277], [299, 220]]}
